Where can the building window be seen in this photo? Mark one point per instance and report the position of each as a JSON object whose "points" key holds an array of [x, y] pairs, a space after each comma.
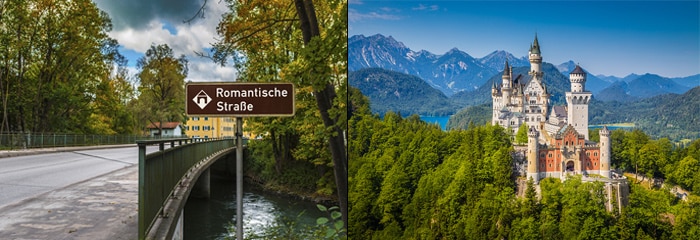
{"points": [[206, 118], [206, 128], [588, 154], [195, 118], [595, 154], [550, 155], [195, 128]]}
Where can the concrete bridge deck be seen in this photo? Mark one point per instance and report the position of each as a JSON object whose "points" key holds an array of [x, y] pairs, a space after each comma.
{"points": [[105, 207], [70, 193]]}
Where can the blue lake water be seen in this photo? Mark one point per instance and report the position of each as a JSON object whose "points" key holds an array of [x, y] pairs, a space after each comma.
{"points": [[440, 120]]}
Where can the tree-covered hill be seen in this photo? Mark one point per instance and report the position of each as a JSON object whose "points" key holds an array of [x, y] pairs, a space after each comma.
{"points": [[676, 116], [410, 180], [398, 92]]}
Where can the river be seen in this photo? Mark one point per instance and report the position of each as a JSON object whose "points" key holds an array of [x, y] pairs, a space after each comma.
{"points": [[214, 218]]}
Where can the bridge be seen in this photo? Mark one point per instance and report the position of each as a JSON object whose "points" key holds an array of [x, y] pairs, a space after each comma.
{"points": [[167, 177], [110, 192]]}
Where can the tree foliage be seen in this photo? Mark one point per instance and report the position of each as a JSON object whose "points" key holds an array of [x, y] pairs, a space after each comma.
{"points": [[57, 69], [521, 135], [410, 180], [162, 86], [305, 43]]}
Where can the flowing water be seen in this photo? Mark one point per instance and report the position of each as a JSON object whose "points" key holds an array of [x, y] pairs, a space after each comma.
{"points": [[215, 218]]}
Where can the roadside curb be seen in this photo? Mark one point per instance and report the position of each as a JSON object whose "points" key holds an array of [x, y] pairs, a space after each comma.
{"points": [[37, 151]]}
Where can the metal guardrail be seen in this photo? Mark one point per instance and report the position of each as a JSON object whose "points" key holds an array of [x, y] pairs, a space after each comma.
{"points": [[160, 172], [12, 141]]}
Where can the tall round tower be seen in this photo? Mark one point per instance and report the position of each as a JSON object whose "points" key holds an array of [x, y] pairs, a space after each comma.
{"points": [[535, 58], [577, 101], [532, 169], [578, 79], [605, 151], [506, 84]]}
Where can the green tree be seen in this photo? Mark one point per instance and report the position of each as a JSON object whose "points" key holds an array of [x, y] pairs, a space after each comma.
{"points": [[302, 42], [162, 86], [632, 143], [53, 54], [521, 136]]}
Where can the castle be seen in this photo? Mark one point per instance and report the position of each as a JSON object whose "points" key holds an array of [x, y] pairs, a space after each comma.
{"points": [[558, 142]]}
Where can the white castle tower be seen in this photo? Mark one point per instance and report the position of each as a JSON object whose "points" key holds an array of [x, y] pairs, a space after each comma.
{"points": [[577, 101], [506, 84], [535, 59], [605, 152]]}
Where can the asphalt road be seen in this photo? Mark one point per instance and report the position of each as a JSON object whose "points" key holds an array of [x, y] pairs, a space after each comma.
{"points": [[25, 177]]}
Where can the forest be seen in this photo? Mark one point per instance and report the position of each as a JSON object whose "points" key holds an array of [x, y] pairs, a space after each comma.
{"points": [[410, 180]]}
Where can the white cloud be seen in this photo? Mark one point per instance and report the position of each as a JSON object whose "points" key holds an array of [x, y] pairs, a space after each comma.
{"points": [[188, 39], [422, 7], [355, 16]]}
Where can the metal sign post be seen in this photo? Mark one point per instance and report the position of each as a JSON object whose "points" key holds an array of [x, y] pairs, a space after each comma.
{"points": [[239, 178], [239, 100]]}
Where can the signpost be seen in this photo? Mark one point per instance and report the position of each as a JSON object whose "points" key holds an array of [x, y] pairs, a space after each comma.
{"points": [[239, 100]]}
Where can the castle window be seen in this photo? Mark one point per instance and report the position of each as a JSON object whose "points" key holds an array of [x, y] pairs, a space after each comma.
{"points": [[595, 164], [588, 164], [588, 154], [595, 154], [550, 155], [550, 165]]}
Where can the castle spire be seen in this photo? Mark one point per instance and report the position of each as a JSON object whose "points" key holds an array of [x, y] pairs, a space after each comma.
{"points": [[506, 70], [535, 47]]}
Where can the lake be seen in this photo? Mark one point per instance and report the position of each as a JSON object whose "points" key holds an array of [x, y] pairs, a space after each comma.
{"points": [[440, 120]]}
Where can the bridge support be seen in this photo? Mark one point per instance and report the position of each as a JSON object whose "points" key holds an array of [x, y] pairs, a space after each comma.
{"points": [[202, 189]]}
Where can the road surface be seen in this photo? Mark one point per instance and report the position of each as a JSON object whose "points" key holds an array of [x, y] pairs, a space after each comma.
{"points": [[25, 177]]}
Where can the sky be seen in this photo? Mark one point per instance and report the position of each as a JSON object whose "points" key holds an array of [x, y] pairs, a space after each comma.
{"points": [[137, 24], [610, 38]]}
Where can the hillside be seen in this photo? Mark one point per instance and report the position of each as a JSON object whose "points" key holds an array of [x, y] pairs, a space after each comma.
{"points": [[676, 116], [398, 92], [644, 86]]}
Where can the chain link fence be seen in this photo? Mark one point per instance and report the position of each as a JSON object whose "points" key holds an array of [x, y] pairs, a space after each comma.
{"points": [[11, 141]]}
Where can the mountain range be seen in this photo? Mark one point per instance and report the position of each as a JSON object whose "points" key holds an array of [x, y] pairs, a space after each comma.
{"points": [[458, 73]]}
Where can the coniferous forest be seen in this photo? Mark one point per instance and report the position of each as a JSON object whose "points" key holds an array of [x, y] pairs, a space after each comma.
{"points": [[410, 180]]}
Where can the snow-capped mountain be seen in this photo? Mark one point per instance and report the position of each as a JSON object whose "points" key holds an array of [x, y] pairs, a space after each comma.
{"points": [[450, 73], [496, 60]]}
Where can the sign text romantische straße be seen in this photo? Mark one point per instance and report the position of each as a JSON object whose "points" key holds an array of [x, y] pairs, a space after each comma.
{"points": [[240, 99]]}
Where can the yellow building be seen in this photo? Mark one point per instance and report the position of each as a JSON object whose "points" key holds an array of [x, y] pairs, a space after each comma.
{"points": [[210, 127]]}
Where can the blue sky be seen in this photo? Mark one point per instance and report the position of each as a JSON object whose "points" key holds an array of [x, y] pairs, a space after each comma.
{"points": [[610, 38]]}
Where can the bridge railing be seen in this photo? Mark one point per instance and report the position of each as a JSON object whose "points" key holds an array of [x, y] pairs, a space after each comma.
{"points": [[160, 172], [19, 140]]}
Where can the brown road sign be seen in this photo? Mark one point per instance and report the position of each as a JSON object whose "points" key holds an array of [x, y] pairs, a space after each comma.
{"points": [[239, 99]]}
